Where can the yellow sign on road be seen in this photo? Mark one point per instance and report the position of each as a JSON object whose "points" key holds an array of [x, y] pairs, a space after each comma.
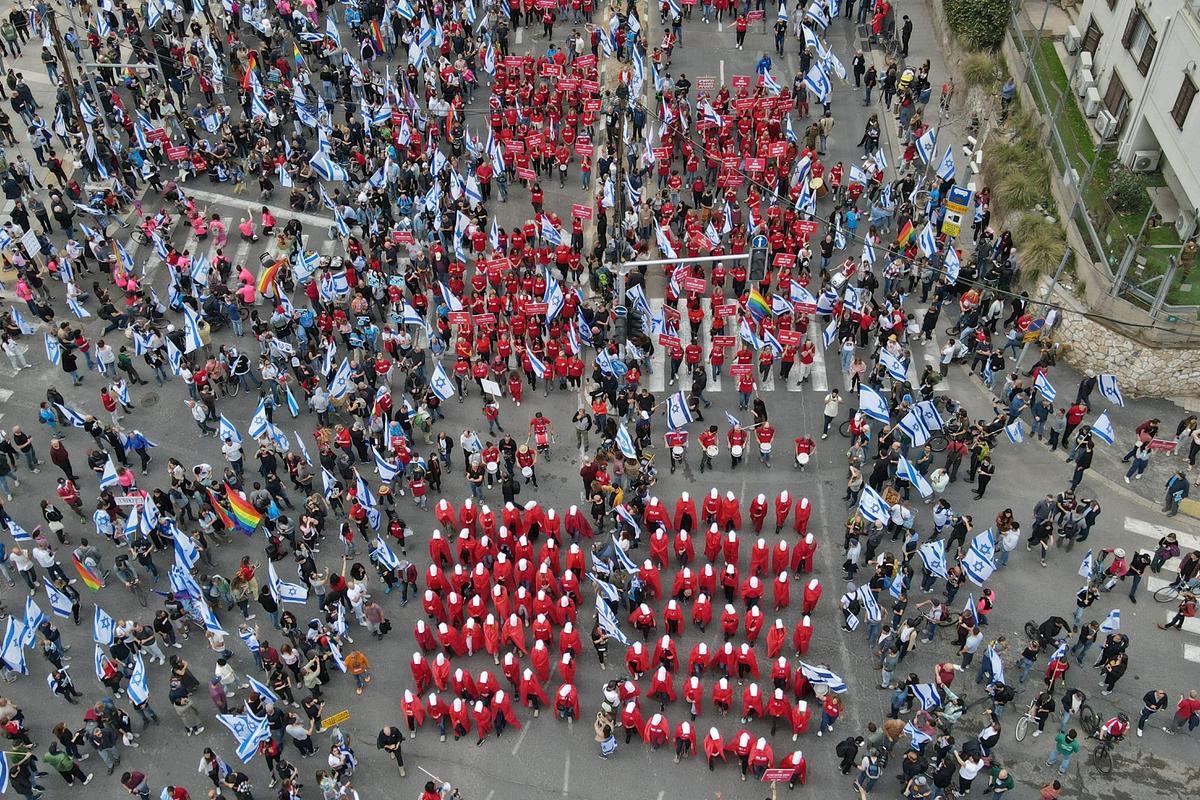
{"points": [[336, 719]]}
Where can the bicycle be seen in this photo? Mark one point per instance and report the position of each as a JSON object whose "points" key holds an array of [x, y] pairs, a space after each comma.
{"points": [[1089, 719], [1021, 729], [1171, 592], [1101, 756]]}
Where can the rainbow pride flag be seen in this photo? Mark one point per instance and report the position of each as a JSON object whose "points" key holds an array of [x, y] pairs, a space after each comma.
{"points": [[757, 305], [226, 521], [906, 234], [244, 514], [90, 579], [268, 275]]}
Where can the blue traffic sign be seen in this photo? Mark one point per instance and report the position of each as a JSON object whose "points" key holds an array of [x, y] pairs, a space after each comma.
{"points": [[758, 241]]}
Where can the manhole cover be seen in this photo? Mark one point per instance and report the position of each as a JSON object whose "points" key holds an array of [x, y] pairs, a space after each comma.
{"points": [[149, 400]]}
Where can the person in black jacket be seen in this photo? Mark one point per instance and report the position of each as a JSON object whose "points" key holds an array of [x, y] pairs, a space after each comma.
{"points": [[847, 751], [389, 740]]}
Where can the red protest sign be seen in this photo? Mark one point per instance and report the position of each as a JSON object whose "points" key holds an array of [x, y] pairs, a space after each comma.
{"points": [[661, 153], [591, 104], [514, 146], [756, 164], [729, 162], [586, 62], [667, 340], [804, 308], [484, 320], [584, 149], [568, 84], [776, 774], [460, 317], [744, 103], [526, 174], [784, 260], [741, 81], [672, 314], [403, 237], [694, 284], [755, 16], [740, 370], [177, 153], [723, 341], [550, 70], [536, 308], [1162, 445], [789, 337], [807, 227], [589, 86], [157, 135], [512, 61], [777, 149], [581, 211], [725, 310], [535, 140]]}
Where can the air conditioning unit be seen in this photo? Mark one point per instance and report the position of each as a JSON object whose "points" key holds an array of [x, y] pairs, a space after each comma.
{"points": [[1085, 60], [1083, 82], [1145, 160], [1091, 103], [1106, 124], [1185, 225], [1071, 40]]}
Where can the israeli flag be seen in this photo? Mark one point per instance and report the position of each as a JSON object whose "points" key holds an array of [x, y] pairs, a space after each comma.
{"points": [[22, 325], [927, 240], [283, 591], [933, 557], [259, 733], [537, 365], [98, 662], [873, 404], [608, 622], [387, 472], [870, 604], [945, 170], [829, 333], [625, 443], [925, 145], [60, 603], [951, 263], [906, 470], [1042, 384], [872, 506], [1108, 387], [997, 665], [11, 651], [209, 618], [678, 413], [605, 589], [17, 532], [74, 417], [929, 415], [191, 324], [336, 652], [927, 694], [919, 737], [340, 385], [914, 427], [1013, 432], [327, 169], [103, 627], [979, 563], [1102, 428], [1087, 567], [622, 557], [228, 430], [109, 476], [824, 676], [301, 447], [139, 692], [970, 608], [53, 349], [896, 368], [1060, 651], [131, 524], [817, 82], [441, 384], [263, 690], [1112, 622], [103, 523]]}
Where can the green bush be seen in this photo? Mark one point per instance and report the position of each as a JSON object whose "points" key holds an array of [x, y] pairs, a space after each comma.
{"points": [[1040, 245], [981, 69], [1126, 191], [979, 24]]}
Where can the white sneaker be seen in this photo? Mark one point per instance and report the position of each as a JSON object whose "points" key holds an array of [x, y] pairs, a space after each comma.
{"points": [[1037, 734], [1139, 733]]}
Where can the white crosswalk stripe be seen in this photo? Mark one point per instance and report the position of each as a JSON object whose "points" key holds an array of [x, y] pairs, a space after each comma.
{"points": [[1169, 573], [819, 379]]}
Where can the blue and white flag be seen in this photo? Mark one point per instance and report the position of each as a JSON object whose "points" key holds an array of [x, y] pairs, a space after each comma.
{"points": [[622, 557], [970, 608], [53, 349], [186, 550], [139, 691], [1107, 384], [98, 660], [1014, 432], [60, 603], [327, 169], [1102, 428], [293, 406], [897, 369], [933, 557], [605, 589], [1042, 384], [919, 737], [283, 591], [678, 413], [441, 384], [33, 618], [262, 689], [11, 652], [818, 83], [997, 665], [824, 676], [608, 622], [925, 145], [980, 561], [873, 404], [1112, 622], [74, 417], [192, 340], [945, 170], [302, 448], [906, 470], [336, 652], [929, 415], [387, 472], [914, 427], [340, 385], [872, 506], [927, 240], [104, 627], [1087, 567], [870, 604], [951, 263], [927, 694], [109, 476], [829, 333], [18, 533]]}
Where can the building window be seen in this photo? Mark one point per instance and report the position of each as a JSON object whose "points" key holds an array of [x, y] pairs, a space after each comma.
{"points": [[1116, 99], [1139, 40], [1091, 39], [1183, 101]]}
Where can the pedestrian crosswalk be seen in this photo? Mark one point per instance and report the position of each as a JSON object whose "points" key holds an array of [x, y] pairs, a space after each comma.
{"points": [[1151, 533]]}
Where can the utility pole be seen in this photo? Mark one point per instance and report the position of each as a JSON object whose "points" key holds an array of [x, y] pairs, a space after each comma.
{"points": [[66, 66]]}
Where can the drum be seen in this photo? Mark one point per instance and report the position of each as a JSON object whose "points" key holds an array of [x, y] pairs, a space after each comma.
{"points": [[541, 439], [711, 451], [802, 459], [764, 447], [493, 467], [736, 451], [527, 471], [817, 185], [677, 451]]}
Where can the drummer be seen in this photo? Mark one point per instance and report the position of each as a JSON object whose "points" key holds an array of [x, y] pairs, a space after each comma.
{"points": [[805, 447], [491, 463], [676, 442], [708, 447], [765, 433], [525, 462], [737, 444]]}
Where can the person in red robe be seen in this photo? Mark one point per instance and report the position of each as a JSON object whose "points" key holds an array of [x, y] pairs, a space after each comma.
{"points": [[685, 741], [714, 748]]}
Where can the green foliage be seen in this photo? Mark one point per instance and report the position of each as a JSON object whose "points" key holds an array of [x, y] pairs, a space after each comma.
{"points": [[981, 69], [978, 24], [1126, 190], [1040, 244]]}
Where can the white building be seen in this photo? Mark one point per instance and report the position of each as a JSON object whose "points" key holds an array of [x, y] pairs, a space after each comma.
{"points": [[1136, 75]]}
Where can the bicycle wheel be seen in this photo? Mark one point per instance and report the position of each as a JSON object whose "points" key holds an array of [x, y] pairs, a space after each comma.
{"points": [[234, 387], [140, 236], [938, 442], [1102, 759], [1167, 594], [1031, 630], [1021, 728], [844, 429], [1089, 719]]}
